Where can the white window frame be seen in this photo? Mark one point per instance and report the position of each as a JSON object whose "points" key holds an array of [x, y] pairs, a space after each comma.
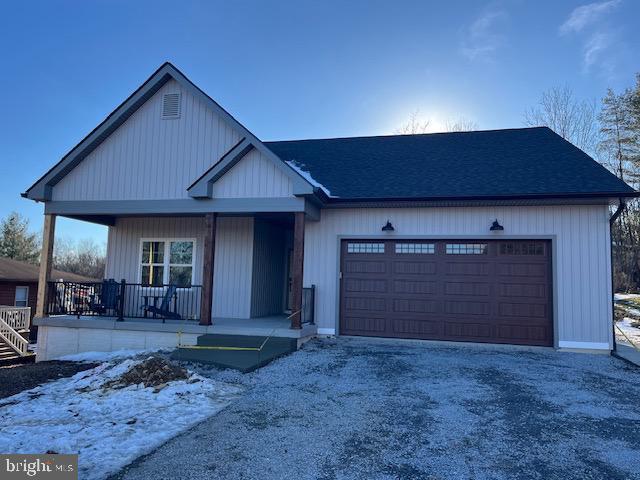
{"points": [[167, 254], [15, 296]]}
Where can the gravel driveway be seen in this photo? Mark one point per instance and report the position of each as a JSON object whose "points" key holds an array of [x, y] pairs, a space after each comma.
{"points": [[351, 408]]}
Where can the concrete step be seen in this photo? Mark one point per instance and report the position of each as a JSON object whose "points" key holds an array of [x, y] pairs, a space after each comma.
{"points": [[236, 351], [244, 341]]}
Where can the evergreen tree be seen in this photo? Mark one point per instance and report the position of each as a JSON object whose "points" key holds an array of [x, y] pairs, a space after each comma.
{"points": [[16, 241]]}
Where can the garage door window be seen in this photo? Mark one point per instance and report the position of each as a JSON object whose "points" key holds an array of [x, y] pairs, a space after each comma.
{"points": [[416, 248], [365, 248], [519, 248], [466, 249]]}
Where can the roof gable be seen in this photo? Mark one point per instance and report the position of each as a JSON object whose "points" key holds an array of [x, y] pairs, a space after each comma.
{"points": [[42, 189], [266, 174]]}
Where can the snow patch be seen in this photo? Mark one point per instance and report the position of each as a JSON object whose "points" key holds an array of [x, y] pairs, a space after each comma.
{"points": [[630, 333], [300, 168], [626, 296], [97, 357], [108, 428]]}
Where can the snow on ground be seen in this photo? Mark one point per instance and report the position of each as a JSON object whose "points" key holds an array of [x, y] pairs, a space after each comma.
{"points": [[625, 331], [108, 428], [97, 357], [632, 333], [626, 296]]}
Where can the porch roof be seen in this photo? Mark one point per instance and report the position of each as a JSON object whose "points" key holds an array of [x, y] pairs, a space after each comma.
{"points": [[105, 211]]}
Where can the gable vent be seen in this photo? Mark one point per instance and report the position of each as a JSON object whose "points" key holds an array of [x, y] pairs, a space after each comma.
{"points": [[171, 105]]}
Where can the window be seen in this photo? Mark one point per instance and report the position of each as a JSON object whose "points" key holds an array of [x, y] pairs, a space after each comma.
{"points": [[415, 248], [466, 249], [521, 248], [168, 261], [22, 297], [365, 248]]}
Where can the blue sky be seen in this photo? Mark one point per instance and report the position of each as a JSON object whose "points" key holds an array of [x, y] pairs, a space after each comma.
{"points": [[296, 69]]}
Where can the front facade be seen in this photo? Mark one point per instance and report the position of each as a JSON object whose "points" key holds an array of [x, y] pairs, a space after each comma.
{"points": [[210, 228]]}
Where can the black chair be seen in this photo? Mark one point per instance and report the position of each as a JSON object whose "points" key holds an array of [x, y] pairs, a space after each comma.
{"points": [[107, 299], [163, 310]]}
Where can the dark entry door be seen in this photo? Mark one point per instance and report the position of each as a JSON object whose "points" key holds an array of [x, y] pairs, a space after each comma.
{"points": [[496, 291]]}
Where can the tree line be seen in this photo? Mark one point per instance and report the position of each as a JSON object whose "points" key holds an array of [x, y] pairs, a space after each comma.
{"points": [[17, 241], [610, 133]]}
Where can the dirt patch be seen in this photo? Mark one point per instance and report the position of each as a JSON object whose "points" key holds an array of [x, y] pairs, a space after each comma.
{"points": [[153, 372], [17, 378]]}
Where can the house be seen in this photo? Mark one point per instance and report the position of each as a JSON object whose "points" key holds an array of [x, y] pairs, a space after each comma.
{"points": [[498, 236], [19, 282], [18, 297]]}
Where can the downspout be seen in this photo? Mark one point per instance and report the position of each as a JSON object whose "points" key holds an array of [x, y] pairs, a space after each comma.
{"points": [[621, 206]]}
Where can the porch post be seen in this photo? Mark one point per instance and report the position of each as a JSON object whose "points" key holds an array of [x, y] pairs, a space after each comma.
{"points": [[206, 299], [46, 261], [297, 274]]}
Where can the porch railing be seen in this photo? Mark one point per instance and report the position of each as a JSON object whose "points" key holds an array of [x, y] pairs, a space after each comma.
{"points": [[309, 305], [123, 300], [18, 318], [12, 321]]}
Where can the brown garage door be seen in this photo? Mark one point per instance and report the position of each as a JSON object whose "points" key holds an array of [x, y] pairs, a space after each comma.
{"points": [[461, 290]]}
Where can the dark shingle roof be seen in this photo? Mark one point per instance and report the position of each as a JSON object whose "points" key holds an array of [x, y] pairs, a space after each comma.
{"points": [[495, 163], [15, 271]]}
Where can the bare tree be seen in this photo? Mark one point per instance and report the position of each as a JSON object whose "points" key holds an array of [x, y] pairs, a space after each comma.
{"points": [[461, 124], [620, 146], [414, 125], [572, 119], [85, 257]]}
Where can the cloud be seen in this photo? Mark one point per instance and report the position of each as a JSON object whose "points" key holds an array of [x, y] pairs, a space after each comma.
{"points": [[586, 15], [598, 36], [595, 46], [483, 37]]}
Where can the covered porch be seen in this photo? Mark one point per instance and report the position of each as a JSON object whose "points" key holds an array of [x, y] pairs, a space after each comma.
{"points": [[235, 273]]}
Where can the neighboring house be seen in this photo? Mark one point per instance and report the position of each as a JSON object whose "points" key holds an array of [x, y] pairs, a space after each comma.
{"points": [[19, 282], [18, 293], [496, 236]]}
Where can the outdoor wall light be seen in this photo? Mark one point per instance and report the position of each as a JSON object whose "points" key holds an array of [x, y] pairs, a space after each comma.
{"points": [[388, 227], [495, 226]]}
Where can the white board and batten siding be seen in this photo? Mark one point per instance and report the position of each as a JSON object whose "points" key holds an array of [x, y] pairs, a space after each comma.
{"points": [[150, 157], [253, 177], [580, 255], [233, 255]]}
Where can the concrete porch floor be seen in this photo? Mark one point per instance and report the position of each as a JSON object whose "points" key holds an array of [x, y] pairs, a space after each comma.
{"points": [[274, 326]]}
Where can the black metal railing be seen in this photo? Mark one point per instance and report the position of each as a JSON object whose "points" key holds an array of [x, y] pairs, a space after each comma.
{"points": [[123, 300], [308, 305]]}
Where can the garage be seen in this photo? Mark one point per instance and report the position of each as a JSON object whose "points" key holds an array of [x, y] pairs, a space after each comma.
{"points": [[495, 291]]}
